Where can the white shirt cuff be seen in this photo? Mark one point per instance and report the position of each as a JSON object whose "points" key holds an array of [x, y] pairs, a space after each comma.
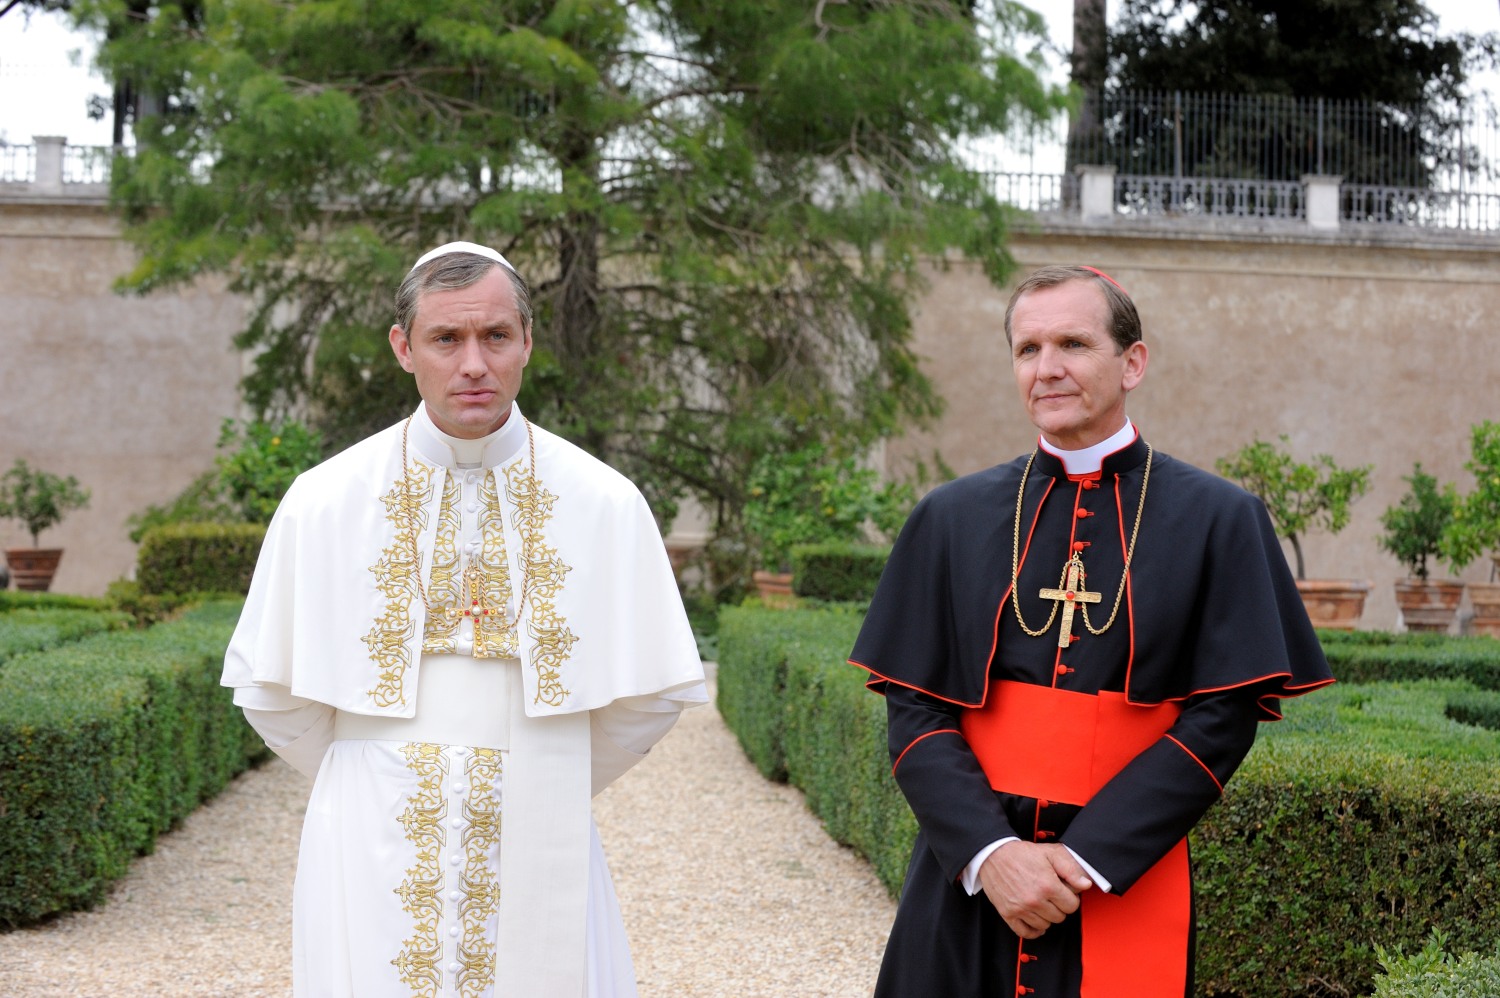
{"points": [[970, 880]]}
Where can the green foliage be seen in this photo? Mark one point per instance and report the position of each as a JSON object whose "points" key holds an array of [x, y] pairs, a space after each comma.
{"points": [[724, 208], [1381, 656], [807, 498], [28, 630], [801, 712], [16, 599], [261, 461], [838, 572], [1475, 527], [199, 558], [256, 465], [38, 499], [1414, 527], [1433, 973], [105, 744], [1365, 817], [1299, 495], [1387, 52]]}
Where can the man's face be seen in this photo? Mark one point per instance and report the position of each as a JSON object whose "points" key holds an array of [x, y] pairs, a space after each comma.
{"points": [[1072, 377], [467, 347]]}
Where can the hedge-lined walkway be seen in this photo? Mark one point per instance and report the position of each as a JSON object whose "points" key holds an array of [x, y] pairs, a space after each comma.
{"points": [[729, 887]]}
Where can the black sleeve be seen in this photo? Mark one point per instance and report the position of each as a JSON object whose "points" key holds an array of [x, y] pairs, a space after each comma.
{"points": [[942, 780], [1151, 804]]}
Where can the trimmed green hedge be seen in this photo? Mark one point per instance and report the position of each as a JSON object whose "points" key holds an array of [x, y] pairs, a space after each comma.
{"points": [[104, 745], [198, 557], [21, 599], [1365, 818], [37, 630], [837, 572], [1381, 656]]}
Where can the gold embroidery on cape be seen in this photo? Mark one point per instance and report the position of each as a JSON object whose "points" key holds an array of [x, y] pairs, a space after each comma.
{"points": [[480, 884], [397, 576], [443, 590], [551, 640], [421, 954]]}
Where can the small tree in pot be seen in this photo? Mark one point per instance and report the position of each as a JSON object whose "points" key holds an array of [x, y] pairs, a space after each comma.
{"points": [[1475, 527], [39, 500], [1302, 496], [1413, 533]]}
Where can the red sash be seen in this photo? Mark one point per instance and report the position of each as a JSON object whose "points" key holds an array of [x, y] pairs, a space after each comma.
{"points": [[1062, 746]]}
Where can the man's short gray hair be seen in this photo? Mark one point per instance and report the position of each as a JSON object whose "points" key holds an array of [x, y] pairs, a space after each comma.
{"points": [[450, 272]]}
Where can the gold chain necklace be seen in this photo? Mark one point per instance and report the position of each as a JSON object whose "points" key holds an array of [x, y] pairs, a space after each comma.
{"points": [[1015, 560], [412, 503]]}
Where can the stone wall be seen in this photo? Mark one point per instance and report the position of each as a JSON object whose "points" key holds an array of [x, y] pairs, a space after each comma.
{"points": [[124, 393], [1378, 349]]}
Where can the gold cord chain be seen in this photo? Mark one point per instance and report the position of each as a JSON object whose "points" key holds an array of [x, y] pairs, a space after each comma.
{"points": [[1015, 560], [406, 485]]}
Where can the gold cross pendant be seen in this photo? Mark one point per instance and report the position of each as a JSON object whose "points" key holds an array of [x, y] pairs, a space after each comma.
{"points": [[489, 622], [1072, 594]]}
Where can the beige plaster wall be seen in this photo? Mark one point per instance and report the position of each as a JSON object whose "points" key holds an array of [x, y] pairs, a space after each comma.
{"points": [[1378, 353], [126, 394]]}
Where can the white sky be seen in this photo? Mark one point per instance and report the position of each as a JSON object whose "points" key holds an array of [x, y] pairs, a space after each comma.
{"points": [[45, 78]]}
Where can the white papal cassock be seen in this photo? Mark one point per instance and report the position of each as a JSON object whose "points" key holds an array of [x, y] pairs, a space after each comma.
{"points": [[449, 849]]}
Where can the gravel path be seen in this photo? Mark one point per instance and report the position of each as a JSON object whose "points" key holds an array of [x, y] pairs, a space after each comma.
{"points": [[728, 884]]}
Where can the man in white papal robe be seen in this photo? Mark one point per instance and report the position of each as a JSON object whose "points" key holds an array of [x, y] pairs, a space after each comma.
{"points": [[462, 628]]}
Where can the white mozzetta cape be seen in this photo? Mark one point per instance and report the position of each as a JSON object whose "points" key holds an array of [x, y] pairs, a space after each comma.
{"points": [[334, 614]]}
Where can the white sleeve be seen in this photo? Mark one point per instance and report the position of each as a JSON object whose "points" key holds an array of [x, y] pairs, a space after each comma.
{"points": [[622, 732], [299, 734]]}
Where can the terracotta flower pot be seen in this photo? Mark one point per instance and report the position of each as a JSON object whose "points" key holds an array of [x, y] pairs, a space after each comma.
{"points": [[775, 589], [33, 568], [1484, 597], [1428, 605], [1334, 603]]}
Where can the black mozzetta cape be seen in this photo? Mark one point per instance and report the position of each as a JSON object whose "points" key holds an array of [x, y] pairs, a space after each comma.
{"points": [[1210, 619]]}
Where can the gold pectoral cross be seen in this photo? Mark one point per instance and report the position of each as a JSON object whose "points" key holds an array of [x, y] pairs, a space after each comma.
{"points": [[1072, 594], [489, 621]]}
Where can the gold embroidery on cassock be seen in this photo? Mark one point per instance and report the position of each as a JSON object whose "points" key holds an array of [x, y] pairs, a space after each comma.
{"points": [[551, 640], [397, 576], [494, 638], [480, 885], [421, 892], [444, 590]]}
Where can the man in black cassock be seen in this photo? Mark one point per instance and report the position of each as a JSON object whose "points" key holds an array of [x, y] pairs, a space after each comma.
{"points": [[1075, 649]]}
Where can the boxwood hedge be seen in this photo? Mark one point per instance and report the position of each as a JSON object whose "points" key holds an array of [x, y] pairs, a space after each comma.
{"points": [[105, 744], [1369, 815]]}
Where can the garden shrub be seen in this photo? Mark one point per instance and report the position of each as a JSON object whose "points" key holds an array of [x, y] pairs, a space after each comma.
{"points": [[1364, 818], [37, 630], [198, 558], [1434, 973], [1380, 656], [838, 572], [105, 744], [22, 599]]}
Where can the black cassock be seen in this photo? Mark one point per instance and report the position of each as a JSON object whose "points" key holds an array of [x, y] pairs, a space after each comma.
{"points": [[1210, 619]]}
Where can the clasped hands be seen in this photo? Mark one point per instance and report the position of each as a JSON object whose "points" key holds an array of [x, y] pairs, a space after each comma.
{"points": [[1033, 885]]}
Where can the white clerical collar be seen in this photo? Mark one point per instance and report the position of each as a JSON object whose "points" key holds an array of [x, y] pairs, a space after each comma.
{"points": [[1091, 459], [448, 451]]}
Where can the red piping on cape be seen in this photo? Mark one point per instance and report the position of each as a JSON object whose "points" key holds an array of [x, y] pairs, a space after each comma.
{"points": [[1193, 756]]}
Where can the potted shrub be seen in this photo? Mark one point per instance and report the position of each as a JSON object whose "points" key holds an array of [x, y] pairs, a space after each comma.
{"points": [[1474, 529], [804, 497], [38, 500], [1302, 496], [1413, 532]]}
